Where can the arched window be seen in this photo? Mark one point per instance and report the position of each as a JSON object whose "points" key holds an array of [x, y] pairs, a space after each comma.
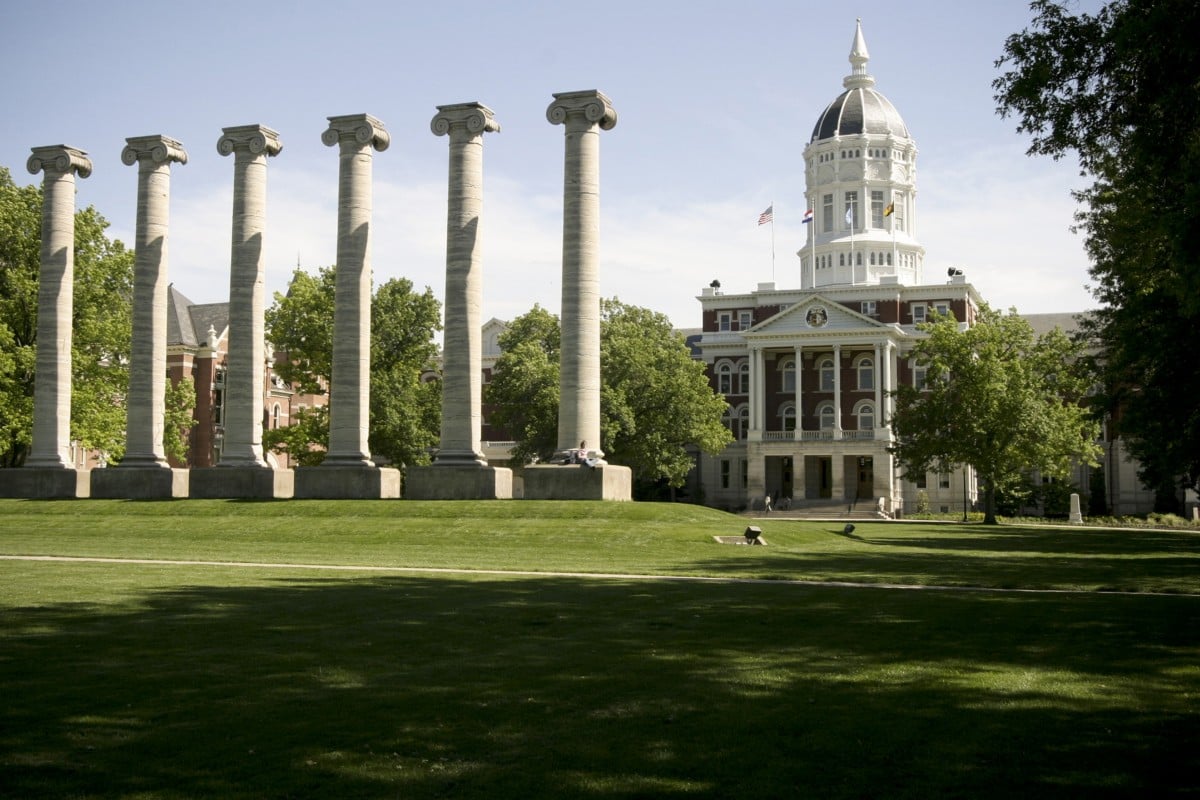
{"points": [[725, 378], [827, 375], [787, 416], [275, 413], [865, 412], [788, 368], [744, 378], [737, 420], [866, 374], [826, 415]]}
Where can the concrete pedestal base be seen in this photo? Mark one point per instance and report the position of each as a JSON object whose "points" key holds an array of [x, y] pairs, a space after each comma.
{"points": [[458, 483], [241, 483], [347, 483], [602, 482], [140, 483], [45, 483]]}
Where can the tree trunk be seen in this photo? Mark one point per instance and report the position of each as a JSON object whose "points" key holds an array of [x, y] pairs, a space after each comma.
{"points": [[989, 502]]}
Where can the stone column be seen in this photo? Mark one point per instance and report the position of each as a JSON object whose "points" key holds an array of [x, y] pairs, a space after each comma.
{"points": [[144, 473], [49, 470], [52, 377], [350, 387], [799, 432], [348, 473], [460, 471], [242, 471], [250, 146], [584, 115], [148, 359], [462, 362]]}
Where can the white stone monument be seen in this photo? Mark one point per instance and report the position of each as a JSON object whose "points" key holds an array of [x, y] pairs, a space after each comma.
{"points": [[48, 471], [348, 471], [144, 472], [583, 115], [242, 471], [460, 471]]}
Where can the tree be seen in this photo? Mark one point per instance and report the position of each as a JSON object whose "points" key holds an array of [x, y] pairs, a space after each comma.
{"points": [[998, 399], [102, 325], [1119, 89], [405, 412], [180, 400], [655, 400], [524, 391]]}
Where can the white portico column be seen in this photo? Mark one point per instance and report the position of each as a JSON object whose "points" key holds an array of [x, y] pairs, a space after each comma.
{"points": [[52, 377], [837, 391], [584, 115], [350, 381], [799, 392], [879, 372], [757, 390], [250, 145], [148, 353], [462, 363]]}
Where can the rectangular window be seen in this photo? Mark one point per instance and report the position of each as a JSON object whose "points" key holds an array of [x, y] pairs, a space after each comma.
{"points": [[876, 209], [868, 307], [745, 472], [942, 308], [944, 480], [921, 482], [898, 211], [724, 473], [918, 313], [919, 381], [724, 321], [744, 318], [827, 213]]}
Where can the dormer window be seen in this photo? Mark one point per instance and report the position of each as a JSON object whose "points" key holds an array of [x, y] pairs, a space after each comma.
{"points": [[918, 313], [724, 321], [744, 320], [868, 308]]}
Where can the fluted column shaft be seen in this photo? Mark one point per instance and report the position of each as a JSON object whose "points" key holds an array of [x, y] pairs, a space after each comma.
{"points": [[584, 115], [250, 146], [56, 278], [357, 136], [145, 406], [462, 361]]}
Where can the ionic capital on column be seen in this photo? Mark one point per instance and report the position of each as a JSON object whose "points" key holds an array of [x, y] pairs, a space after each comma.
{"points": [[249, 140], [582, 109], [59, 158], [471, 119], [357, 130], [152, 149]]}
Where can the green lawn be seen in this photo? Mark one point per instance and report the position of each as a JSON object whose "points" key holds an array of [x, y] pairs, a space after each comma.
{"points": [[170, 681]]}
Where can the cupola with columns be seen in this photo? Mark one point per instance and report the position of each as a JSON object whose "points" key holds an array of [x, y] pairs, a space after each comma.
{"points": [[861, 168]]}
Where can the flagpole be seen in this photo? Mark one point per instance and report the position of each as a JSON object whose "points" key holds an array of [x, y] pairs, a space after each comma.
{"points": [[772, 241], [812, 250]]}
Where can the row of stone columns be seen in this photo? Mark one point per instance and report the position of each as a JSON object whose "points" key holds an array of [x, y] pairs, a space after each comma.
{"points": [[460, 470]]}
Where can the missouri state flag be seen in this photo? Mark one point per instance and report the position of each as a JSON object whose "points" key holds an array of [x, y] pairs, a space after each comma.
{"points": [[808, 216]]}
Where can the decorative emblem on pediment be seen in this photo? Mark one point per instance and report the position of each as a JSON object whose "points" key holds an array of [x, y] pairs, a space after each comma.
{"points": [[816, 317]]}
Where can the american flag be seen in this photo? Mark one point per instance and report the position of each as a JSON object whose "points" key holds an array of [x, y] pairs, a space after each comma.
{"points": [[767, 216]]}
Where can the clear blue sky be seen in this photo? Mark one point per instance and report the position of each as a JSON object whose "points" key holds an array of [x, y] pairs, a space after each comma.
{"points": [[716, 102]]}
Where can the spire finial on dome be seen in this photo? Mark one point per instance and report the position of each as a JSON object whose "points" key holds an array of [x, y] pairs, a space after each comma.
{"points": [[858, 77]]}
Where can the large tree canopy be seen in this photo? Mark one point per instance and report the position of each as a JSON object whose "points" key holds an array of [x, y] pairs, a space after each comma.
{"points": [[655, 400], [405, 412], [102, 325], [1121, 90], [998, 399]]}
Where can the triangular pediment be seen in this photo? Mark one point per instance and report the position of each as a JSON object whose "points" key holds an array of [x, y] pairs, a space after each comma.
{"points": [[815, 315]]}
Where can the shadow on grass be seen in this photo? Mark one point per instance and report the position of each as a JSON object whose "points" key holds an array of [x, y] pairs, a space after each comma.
{"points": [[1164, 562], [422, 687]]}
